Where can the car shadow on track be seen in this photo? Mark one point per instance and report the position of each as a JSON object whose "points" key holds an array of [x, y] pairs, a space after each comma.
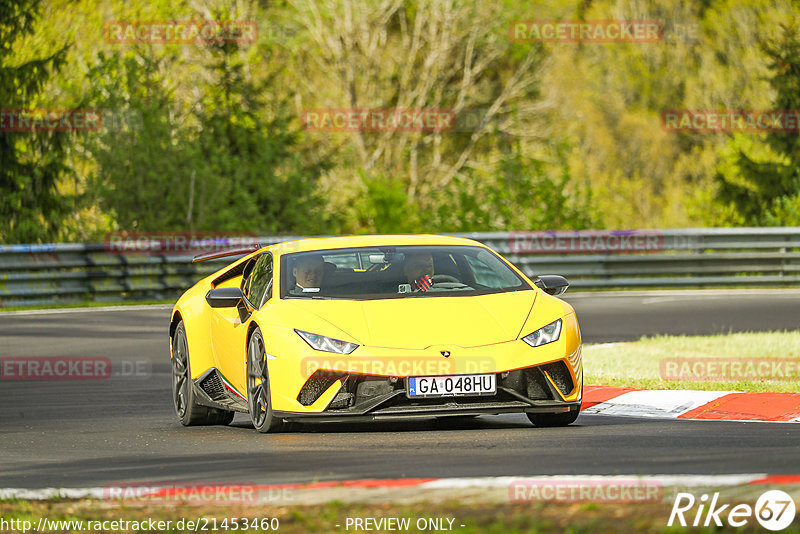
{"points": [[489, 422], [420, 424]]}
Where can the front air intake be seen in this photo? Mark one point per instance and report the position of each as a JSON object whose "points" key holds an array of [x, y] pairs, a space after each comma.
{"points": [[316, 385], [559, 374]]}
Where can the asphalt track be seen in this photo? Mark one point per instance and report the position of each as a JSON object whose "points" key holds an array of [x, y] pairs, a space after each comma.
{"points": [[123, 429]]}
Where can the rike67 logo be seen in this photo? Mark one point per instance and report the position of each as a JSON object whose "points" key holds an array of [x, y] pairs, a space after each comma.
{"points": [[774, 510]]}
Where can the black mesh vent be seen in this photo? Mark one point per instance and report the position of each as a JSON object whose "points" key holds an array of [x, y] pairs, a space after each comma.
{"points": [[315, 386], [212, 385], [343, 399], [371, 388], [559, 374], [530, 383], [514, 380], [536, 385]]}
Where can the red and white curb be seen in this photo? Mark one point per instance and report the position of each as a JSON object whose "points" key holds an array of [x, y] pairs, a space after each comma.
{"points": [[687, 404], [300, 492]]}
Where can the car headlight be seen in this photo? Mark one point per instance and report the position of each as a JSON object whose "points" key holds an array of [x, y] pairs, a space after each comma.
{"points": [[543, 336], [327, 344]]}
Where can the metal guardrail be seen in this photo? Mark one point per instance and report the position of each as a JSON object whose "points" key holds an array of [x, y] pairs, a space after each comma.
{"points": [[680, 258], [686, 258]]}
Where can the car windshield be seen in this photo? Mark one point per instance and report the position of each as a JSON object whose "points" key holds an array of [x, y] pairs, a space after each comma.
{"points": [[396, 272]]}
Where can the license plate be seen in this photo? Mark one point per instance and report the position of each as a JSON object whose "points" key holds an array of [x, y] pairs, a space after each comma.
{"points": [[451, 386]]}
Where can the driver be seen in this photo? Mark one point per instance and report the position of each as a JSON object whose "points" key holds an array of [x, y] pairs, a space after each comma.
{"points": [[308, 272], [418, 270]]}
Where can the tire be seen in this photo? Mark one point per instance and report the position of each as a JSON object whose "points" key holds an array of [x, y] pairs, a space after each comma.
{"points": [[188, 411], [553, 419], [259, 404]]}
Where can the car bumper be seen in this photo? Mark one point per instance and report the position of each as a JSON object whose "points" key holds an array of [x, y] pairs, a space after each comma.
{"points": [[398, 406]]}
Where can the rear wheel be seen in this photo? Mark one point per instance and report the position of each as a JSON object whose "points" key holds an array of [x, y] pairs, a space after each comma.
{"points": [[258, 394], [553, 419], [188, 411]]}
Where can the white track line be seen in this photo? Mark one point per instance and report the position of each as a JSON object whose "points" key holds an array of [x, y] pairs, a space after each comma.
{"points": [[664, 480], [443, 483], [58, 311], [655, 403]]}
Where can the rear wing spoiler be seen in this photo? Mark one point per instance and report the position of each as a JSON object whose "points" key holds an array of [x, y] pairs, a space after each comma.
{"points": [[225, 253]]}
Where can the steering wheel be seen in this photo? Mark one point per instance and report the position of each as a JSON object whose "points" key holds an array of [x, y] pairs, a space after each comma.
{"points": [[445, 278]]}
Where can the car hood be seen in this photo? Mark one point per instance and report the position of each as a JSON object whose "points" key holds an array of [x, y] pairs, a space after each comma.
{"points": [[418, 323]]}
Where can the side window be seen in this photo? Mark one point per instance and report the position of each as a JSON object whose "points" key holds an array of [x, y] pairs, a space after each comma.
{"points": [[259, 286], [248, 270]]}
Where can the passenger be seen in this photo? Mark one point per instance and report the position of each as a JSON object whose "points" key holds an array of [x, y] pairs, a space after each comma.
{"points": [[308, 272]]}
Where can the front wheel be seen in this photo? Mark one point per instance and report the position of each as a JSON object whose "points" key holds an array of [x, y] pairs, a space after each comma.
{"points": [[258, 395], [188, 411], [554, 419]]}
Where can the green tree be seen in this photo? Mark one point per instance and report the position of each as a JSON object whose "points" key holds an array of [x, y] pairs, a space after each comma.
{"points": [[143, 175], [762, 183], [31, 163], [523, 193], [251, 173], [386, 208], [230, 161]]}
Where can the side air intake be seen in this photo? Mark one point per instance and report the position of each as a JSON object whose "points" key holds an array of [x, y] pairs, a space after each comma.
{"points": [[559, 374], [212, 385]]}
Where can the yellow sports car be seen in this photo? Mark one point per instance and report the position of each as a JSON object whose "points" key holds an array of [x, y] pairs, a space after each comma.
{"points": [[373, 327]]}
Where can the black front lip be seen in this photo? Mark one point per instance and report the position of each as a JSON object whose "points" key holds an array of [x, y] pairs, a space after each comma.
{"points": [[382, 409], [415, 414]]}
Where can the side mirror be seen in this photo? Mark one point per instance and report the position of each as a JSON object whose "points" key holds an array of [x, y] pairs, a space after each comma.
{"points": [[552, 284], [224, 297]]}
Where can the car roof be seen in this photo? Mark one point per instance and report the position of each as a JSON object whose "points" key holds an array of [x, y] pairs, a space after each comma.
{"points": [[324, 243]]}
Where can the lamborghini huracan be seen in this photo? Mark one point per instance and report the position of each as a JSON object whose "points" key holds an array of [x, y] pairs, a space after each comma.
{"points": [[373, 327]]}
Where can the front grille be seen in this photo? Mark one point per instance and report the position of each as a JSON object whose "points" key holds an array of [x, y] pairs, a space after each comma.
{"points": [[530, 383], [559, 374], [536, 385], [373, 387], [359, 389], [341, 400], [212, 385]]}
